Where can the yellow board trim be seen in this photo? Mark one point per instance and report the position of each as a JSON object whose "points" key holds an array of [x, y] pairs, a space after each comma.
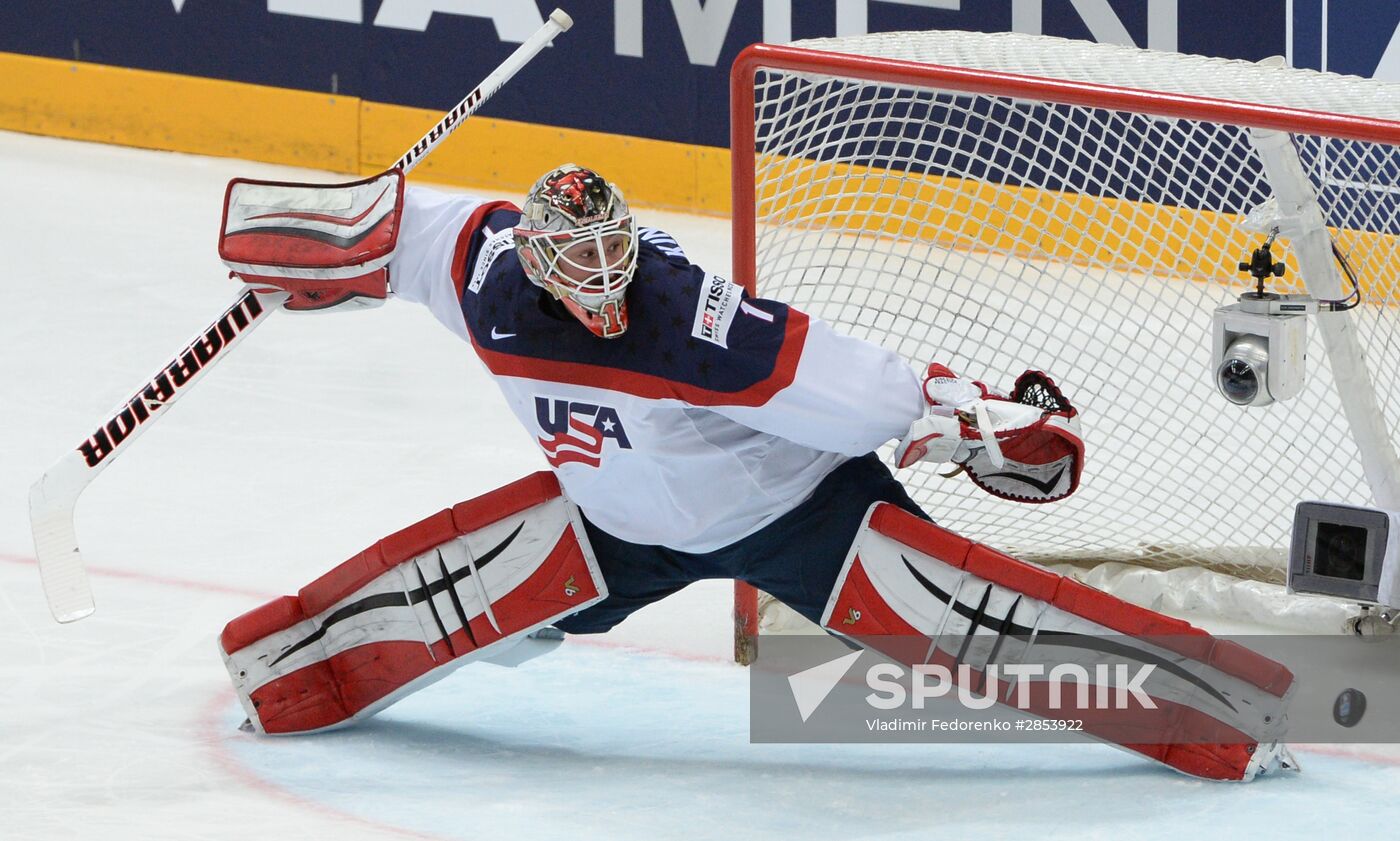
{"points": [[509, 155], [1030, 223], [155, 110]]}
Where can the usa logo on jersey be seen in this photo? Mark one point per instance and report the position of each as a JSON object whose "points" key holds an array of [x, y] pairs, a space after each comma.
{"points": [[574, 433]]}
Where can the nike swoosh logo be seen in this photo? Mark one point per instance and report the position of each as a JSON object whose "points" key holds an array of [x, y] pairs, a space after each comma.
{"points": [[498, 336], [1044, 487]]}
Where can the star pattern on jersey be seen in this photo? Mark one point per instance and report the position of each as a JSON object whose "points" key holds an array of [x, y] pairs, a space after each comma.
{"points": [[659, 342]]}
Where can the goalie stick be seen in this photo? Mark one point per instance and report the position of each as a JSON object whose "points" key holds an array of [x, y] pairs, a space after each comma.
{"points": [[54, 497]]}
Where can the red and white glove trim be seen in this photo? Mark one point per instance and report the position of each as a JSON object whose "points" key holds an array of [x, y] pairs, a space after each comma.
{"points": [[944, 388], [1041, 462], [932, 438], [1025, 447], [327, 245], [938, 436]]}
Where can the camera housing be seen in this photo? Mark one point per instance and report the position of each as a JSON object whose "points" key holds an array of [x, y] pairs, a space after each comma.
{"points": [[1259, 347], [1347, 552]]}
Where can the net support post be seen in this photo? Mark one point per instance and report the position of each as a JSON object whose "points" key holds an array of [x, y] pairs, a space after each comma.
{"points": [[1301, 220], [742, 147], [745, 623]]}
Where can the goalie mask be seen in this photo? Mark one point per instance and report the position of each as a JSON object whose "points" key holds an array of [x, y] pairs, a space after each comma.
{"points": [[578, 240]]}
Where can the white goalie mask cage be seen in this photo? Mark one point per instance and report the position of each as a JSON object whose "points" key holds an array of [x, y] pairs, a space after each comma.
{"points": [[568, 210]]}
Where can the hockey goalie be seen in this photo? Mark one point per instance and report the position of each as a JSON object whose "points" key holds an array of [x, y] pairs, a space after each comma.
{"points": [[693, 432]]}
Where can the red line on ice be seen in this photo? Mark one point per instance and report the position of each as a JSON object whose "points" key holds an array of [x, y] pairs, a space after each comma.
{"points": [[262, 595], [218, 739], [185, 583]]}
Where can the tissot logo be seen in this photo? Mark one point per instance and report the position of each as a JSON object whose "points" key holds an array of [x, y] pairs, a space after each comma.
{"points": [[709, 326], [714, 311]]}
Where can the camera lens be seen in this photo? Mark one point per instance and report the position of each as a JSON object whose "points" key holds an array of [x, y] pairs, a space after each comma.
{"points": [[1238, 382], [1242, 375]]}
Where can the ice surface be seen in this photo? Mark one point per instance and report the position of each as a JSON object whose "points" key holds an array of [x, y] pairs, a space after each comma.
{"points": [[320, 435]]}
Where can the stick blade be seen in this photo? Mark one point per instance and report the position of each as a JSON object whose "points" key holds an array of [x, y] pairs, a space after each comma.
{"points": [[61, 568]]}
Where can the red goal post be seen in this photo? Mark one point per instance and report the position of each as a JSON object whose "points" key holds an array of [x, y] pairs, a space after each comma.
{"points": [[961, 84]]}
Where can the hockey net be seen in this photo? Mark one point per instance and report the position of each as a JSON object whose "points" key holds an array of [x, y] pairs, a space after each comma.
{"points": [[998, 202]]}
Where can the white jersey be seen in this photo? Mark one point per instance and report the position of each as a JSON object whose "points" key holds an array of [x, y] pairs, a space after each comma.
{"points": [[714, 414]]}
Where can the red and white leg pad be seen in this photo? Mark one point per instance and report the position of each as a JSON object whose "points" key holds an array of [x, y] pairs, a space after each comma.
{"points": [[920, 594], [468, 583]]}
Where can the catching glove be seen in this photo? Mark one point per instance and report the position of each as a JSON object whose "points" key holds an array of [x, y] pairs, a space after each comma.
{"points": [[1024, 447]]}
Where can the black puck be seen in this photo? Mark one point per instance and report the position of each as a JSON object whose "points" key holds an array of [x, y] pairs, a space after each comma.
{"points": [[1349, 707]]}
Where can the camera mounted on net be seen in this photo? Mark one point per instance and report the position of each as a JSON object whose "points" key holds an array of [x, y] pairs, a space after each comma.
{"points": [[1260, 343]]}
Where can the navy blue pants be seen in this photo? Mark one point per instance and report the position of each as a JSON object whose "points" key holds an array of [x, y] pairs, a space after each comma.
{"points": [[796, 558]]}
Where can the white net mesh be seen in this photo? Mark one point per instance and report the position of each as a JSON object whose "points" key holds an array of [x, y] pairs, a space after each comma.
{"points": [[1128, 67], [995, 234]]}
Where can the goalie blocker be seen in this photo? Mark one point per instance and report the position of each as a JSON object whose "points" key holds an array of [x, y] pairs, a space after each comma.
{"points": [[919, 594], [327, 245], [468, 583]]}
